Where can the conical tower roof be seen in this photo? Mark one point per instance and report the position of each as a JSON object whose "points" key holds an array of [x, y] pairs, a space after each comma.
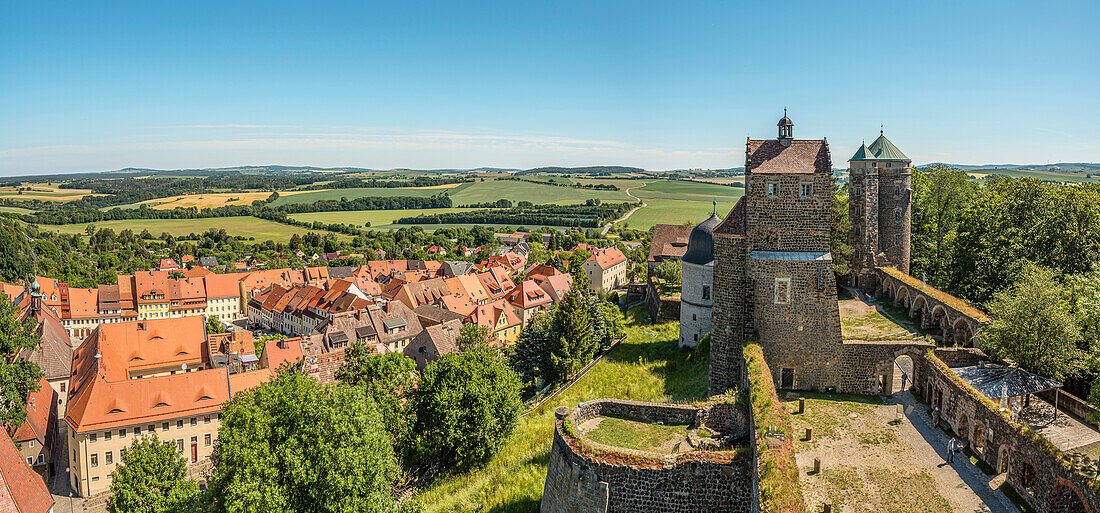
{"points": [[863, 153], [885, 150]]}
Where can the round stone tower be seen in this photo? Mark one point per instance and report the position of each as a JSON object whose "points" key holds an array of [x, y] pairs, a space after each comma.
{"points": [[697, 270]]}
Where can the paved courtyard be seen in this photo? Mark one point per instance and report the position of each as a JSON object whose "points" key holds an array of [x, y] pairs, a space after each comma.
{"points": [[878, 458]]}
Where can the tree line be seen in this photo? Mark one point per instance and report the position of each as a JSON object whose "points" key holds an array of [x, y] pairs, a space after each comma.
{"points": [[589, 215], [590, 186]]}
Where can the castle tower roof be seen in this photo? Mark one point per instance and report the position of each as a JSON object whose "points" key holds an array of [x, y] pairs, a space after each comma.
{"points": [[700, 248], [863, 153], [883, 149]]}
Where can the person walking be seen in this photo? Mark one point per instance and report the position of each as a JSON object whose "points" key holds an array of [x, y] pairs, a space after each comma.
{"points": [[951, 446]]}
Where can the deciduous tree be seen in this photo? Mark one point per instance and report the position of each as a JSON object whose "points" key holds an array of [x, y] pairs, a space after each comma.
{"points": [[152, 478], [296, 445], [18, 377], [469, 404], [390, 381]]}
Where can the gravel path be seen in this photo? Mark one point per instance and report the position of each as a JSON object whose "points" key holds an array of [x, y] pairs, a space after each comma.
{"points": [[964, 485]]}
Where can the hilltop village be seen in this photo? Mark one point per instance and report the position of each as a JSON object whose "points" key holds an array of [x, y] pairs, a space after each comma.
{"points": [[753, 294]]}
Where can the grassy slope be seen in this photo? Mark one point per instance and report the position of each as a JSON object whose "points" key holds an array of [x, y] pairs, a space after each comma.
{"points": [[670, 211], [693, 188], [244, 226], [646, 367]]}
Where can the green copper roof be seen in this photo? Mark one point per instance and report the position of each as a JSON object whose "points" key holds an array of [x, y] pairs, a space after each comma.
{"points": [[863, 153], [885, 150]]}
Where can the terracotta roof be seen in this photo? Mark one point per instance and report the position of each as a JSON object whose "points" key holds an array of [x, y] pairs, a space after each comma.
{"points": [[83, 304], [558, 285], [432, 315], [436, 341], [607, 257], [802, 156], [22, 490], [669, 241], [487, 315], [40, 405], [540, 272], [734, 223], [528, 295], [323, 367], [221, 285], [469, 286]]}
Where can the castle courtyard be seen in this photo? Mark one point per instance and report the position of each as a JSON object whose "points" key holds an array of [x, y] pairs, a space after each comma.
{"points": [[875, 459]]}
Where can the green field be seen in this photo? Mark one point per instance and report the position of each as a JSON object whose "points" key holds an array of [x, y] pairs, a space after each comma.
{"points": [[488, 191], [16, 210], [681, 187], [374, 192], [379, 219], [1042, 175], [646, 367], [244, 226], [670, 211]]}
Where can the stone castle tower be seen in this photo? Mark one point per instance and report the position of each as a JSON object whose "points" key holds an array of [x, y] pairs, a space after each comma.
{"points": [[773, 268], [879, 206], [697, 270]]}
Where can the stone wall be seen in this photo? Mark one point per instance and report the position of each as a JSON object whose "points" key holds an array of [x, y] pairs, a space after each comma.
{"points": [[864, 234], [960, 323], [894, 213], [788, 221], [731, 322], [867, 366], [1034, 467], [661, 308], [803, 333], [586, 477]]}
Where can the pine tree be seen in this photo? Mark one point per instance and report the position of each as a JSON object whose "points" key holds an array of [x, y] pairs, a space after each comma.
{"points": [[572, 345]]}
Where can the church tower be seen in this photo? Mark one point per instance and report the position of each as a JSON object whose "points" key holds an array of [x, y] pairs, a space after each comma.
{"points": [[880, 208]]}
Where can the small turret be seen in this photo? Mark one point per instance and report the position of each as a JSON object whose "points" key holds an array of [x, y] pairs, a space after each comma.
{"points": [[786, 129]]}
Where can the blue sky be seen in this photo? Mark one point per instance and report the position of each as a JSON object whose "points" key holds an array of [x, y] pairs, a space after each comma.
{"points": [[93, 85]]}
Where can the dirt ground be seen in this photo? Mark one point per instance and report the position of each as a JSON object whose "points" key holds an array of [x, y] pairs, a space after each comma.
{"points": [[874, 459]]}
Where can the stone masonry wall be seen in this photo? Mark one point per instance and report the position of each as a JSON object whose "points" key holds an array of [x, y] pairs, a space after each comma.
{"points": [[605, 479], [867, 367], [894, 200], [863, 198], [1033, 465], [731, 316], [803, 334], [788, 221]]}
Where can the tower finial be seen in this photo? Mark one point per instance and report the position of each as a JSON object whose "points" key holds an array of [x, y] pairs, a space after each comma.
{"points": [[880, 130], [715, 210]]}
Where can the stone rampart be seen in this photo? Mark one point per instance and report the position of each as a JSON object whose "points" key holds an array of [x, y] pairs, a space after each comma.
{"points": [[1034, 467], [586, 477], [933, 308], [662, 308]]}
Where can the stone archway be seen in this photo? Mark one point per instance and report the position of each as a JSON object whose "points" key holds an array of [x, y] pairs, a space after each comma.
{"points": [[939, 320], [1002, 460], [902, 368], [977, 439], [962, 427], [964, 335], [917, 311], [1067, 498], [902, 299], [887, 289]]}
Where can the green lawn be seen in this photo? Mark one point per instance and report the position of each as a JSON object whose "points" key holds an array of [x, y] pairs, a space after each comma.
{"points": [[633, 434], [670, 211], [646, 367], [244, 226]]}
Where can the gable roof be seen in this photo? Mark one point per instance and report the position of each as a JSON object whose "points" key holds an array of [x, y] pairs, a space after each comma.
{"points": [[734, 223], [55, 355], [40, 404], [607, 257], [528, 295], [669, 241], [21, 487], [802, 156]]}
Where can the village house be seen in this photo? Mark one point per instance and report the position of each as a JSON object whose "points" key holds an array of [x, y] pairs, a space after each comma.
{"points": [[606, 270], [21, 489]]}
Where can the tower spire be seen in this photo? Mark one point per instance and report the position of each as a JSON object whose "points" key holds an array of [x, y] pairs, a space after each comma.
{"points": [[880, 129]]}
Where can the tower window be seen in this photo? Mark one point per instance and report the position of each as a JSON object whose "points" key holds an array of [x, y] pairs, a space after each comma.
{"points": [[782, 291], [706, 291], [897, 191], [897, 239], [857, 210], [772, 190], [806, 189], [887, 164], [897, 216], [693, 317], [856, 229], [874, 164]]}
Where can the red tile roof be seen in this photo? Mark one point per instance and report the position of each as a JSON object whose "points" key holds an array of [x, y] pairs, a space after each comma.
{"points": [[802, 156], [605, 258], [40, 404], [528, 295], [669, 241], [734, 223], [22, 490]]}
